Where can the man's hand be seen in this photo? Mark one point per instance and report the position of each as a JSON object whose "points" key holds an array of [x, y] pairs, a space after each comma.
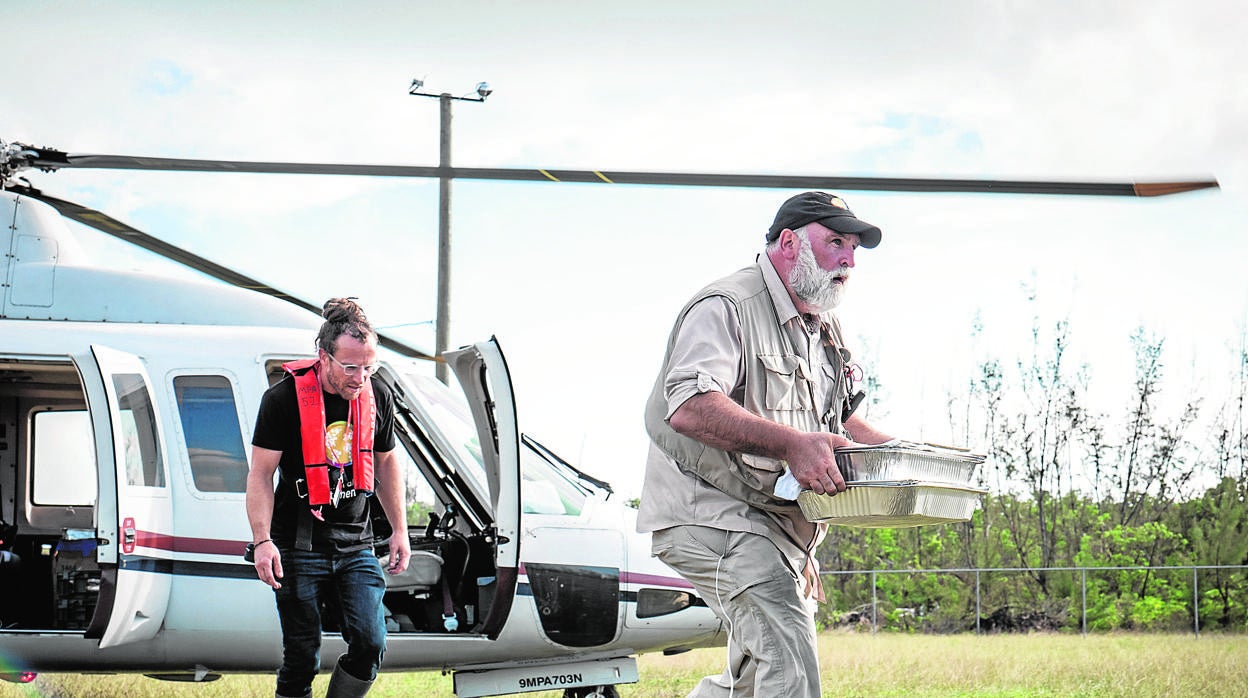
{"points": [[400, 553], [391, 494], [812, 460], [269, 564]]}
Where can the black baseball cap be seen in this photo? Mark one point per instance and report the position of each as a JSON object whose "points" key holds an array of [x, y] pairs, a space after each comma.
{"points": [[826, 209]]}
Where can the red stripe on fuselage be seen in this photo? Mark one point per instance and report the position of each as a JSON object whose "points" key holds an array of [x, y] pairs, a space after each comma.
{"points": [[216, 546], [181, 544]]}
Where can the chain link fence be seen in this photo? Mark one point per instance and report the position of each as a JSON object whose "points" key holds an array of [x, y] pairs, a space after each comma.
{"points": [[1084, 599]]}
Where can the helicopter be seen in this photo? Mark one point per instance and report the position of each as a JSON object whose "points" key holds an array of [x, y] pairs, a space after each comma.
{"points": [[126, 401]]}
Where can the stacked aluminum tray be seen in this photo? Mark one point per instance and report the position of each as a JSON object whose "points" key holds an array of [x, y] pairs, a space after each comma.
{"points": [[899, 485]]}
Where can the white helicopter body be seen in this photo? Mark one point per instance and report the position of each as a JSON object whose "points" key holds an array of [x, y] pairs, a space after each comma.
{"points": [[126, 407]]}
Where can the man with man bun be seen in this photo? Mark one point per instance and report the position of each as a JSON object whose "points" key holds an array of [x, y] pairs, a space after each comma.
{"points": [[327, 429]]}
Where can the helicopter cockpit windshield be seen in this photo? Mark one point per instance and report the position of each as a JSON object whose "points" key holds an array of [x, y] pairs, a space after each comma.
{"points": [[450, 412], [548, 485]]}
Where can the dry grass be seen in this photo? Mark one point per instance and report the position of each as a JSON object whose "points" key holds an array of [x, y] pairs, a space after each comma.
{"points": [[1014, 666]]}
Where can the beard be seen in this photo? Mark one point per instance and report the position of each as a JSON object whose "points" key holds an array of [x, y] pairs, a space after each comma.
{"points": [[819, 288]]}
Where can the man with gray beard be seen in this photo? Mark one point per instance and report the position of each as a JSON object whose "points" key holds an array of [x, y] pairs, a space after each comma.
{"points": [[756, 381]]}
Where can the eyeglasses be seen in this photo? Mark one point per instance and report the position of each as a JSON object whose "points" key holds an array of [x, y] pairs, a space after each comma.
{"points": [[367, 370]]}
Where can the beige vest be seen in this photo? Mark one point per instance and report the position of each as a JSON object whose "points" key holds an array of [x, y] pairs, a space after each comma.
{"points": [[776, 387]]}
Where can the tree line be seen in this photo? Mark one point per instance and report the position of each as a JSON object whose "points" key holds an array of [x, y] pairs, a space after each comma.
{"points": [[1160, 482]]}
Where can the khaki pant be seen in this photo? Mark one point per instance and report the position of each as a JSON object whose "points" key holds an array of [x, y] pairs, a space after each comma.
{"points": [[743, 577]]}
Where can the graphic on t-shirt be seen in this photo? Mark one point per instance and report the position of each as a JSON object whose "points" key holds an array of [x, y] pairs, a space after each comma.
{"points": [[338, 444], [338, 455]]}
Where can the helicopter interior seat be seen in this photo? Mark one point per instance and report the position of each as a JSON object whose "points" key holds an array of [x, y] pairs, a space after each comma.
{"points": [[423, 573]]}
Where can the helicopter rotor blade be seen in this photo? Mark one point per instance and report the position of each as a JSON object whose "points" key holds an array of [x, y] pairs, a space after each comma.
{"points": [[106, 223], [48, 159]]}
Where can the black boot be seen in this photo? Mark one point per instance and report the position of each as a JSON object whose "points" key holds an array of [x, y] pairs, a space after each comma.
{"points": [[344, 685]]}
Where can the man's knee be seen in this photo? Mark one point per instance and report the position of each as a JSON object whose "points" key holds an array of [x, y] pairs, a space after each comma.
{"points": [[363, 659]]}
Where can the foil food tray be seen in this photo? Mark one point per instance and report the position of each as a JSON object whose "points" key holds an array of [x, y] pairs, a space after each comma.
{"points": [[892, 504], [908, 461]]}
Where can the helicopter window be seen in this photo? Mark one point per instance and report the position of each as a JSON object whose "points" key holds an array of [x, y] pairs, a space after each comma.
{"points": [[214, 442], [544, 489], [63, 457], [138, 432]]}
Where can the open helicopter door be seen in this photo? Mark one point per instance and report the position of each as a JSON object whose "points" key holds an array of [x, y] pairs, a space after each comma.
{"points": [[483, 374], [134, 514]]}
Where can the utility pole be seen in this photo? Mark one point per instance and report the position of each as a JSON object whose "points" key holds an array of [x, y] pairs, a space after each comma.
{"points": [[442, 325]]}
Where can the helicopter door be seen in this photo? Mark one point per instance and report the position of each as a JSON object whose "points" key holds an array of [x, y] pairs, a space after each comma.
{"points": [[483, 374], [131, 469]]}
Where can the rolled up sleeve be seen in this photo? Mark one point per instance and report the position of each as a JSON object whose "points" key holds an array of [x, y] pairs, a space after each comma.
{"points": [[706, 355]]}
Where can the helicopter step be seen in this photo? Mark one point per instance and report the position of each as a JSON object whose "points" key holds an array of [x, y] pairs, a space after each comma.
{"points": [[594, 673]]}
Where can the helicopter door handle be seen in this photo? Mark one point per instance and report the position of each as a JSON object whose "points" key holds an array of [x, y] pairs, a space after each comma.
{"points": [[128, 535]]}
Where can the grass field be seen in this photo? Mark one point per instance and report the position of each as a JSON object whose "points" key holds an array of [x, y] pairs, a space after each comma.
{"points": [[1014, 666]]}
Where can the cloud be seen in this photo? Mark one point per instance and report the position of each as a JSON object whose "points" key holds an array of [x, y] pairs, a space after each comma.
{"points": [[580, 282], [166, 79]]}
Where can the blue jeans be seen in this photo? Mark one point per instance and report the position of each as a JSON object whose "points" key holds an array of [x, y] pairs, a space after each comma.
{"points": [[355, 580]]}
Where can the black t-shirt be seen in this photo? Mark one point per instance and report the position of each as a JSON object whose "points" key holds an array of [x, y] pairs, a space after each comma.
{"points": [[346, 527]]}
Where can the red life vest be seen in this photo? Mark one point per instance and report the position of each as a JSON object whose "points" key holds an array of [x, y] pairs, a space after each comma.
{"points": [[362, 416]]}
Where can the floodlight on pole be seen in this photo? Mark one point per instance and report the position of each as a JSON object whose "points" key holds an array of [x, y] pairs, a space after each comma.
{"points": [[443, 318]]}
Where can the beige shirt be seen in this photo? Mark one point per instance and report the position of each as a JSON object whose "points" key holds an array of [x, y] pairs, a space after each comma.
{"points": [[707, 355]]}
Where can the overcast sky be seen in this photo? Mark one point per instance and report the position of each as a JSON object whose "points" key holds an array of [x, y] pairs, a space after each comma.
{"points": [[580, 282]]}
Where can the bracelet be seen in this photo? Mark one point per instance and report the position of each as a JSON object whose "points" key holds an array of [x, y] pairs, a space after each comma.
{"points": [[266, 540]]}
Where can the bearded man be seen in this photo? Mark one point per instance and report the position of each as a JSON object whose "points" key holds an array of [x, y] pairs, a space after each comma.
{"points": [[756, 381]]}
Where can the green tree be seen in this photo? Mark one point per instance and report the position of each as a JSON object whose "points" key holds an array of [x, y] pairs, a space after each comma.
{"points": [[1154, 463], [1033, 443], [1218, 525], [418, 513], [1133, 597]]}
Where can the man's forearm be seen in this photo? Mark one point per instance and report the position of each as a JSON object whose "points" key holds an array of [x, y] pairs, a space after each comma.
{"points": [[259, 512], [862, 432], [714, 419], [259, 497], [717, 421]]}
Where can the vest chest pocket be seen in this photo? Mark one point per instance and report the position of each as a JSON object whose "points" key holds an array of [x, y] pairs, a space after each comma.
{"points": [[836, 395], [787, 388]]}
